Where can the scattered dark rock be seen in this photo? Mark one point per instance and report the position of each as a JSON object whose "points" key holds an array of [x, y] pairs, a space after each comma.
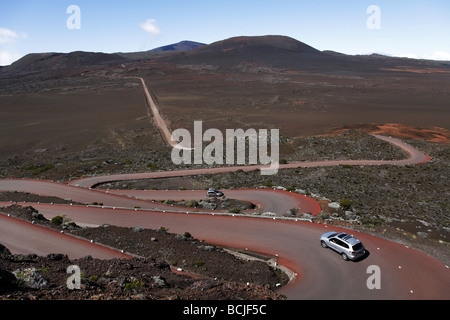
{"points": [[7, 281], [45, 278], [30, 278], [5, 254]]}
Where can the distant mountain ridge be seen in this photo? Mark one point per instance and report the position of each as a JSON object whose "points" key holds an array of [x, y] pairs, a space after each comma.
{"points": [[270, 50], [237, 52], [180, 46], [286, 53], [185, 45], [268, 43]]}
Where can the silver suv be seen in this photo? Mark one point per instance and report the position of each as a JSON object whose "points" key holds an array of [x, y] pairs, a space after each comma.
{"points": [[214, 193], [346, 245]]}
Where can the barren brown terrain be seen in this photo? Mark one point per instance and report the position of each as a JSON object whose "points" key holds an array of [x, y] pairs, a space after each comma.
{"points": [[300, 104], [431, 134], [37, 122], [304, 93]]}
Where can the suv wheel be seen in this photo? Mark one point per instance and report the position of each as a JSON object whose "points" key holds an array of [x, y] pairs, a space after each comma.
{"points": [[323, 244], [344, 256]]}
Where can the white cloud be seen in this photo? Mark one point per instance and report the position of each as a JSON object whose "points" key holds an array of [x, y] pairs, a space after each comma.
{"points": [[7, 36], [409, 55], [8, 40], [438, 55], [151, 26], [6, 57]]}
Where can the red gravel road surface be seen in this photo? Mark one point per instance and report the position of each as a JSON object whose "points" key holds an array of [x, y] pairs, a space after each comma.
{"points": [[321, 274], [22, 237], [269, 200]]}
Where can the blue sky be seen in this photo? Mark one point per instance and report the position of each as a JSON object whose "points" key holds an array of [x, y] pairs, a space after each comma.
{"points": [[413, 28]]}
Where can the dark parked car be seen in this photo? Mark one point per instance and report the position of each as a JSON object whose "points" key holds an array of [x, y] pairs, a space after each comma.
{"points": [[214, 193]]}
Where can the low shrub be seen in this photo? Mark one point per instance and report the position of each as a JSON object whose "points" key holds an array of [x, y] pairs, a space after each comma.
{"points": [[192, 204], [134, 285], [198, 263], [371, 222], [152, 166], [234, 210], [58, 220], [346, 203]]}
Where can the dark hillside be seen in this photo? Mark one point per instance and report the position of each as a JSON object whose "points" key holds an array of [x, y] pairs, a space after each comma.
{"points": [[288, 53], [44, 62], [180, 46]]}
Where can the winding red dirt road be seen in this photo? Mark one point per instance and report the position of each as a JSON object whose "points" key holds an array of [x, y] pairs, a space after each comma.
{"points": [[320, 274], [43, 241]]}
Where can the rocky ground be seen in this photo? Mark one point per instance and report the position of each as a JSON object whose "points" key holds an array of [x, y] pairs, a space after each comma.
{"points": [[45, 278], [214, 273], [104, 157], [406, 204], [411, 198]]}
